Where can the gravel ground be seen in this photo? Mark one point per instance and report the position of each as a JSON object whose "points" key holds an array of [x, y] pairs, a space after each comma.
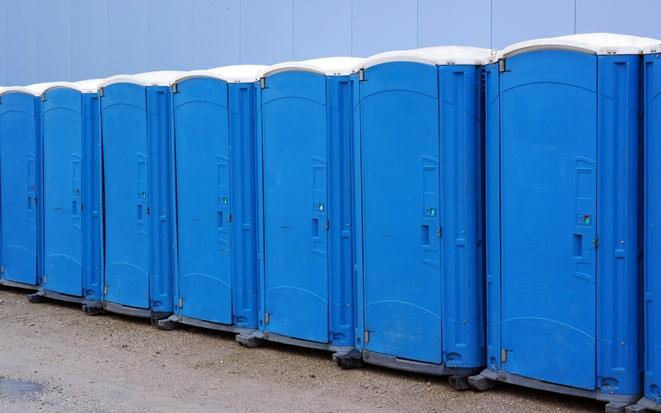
{"points": [[112, 363]]}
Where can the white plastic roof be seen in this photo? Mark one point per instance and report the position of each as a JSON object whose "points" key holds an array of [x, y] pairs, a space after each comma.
{"points": [[159, 78], [595, 43], [37, 89], [230, 74], [656, 48], [440, 55], [329, 66]]}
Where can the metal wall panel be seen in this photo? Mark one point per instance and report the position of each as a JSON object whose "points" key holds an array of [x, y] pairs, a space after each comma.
{"points": [[48, 40], [380, 25], [170, 35], [321, 28], [216, 33], [21, 42], [446, 22], [266, 31], [517, 20], [53, 54], [3, 43], [127, 36], [89, 39], [638, 17]]}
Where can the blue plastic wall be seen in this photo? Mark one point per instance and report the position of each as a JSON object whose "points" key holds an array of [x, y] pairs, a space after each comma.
{"points": [[216, 238], [652, 68], [137, 199], [72, 225], [588, 339], [20, 189], [305, 206], [46, 40], [419, 226]]}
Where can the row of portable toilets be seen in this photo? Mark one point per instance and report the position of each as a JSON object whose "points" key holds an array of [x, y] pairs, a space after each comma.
{"points": [[451, 211]]}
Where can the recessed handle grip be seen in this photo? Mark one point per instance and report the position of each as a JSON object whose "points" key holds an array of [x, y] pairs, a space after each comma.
{"points": [[577, 245]]}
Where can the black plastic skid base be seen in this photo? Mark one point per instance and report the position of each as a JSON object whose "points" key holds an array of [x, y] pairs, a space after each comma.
{"points": [[487, 379]]}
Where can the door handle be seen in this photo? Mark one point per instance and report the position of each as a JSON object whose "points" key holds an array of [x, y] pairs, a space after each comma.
{"points": [[424, 235], [577, 245], [315, 227]]}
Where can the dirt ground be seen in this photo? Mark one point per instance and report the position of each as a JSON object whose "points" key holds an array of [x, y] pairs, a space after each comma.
{"points": [[111, 363]]}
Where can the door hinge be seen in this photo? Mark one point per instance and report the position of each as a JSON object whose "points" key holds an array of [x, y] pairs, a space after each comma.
{"points": [[2, 269], [361, 74], [439, 232], [148, 210], [229, 217], [267, 318], [175, 88], [180, 303], [45, 278], [502, 66], [105, 290], [262, 83], [43, 97], [327, 226], [366, 337], [503, 355], [101, 92], [595, 243]]}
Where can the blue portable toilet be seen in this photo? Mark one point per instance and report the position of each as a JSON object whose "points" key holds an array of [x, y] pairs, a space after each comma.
{"points": [[136, 146], [563, 189], [305, 231], [652, 258], [214, 178], [71, 193], [419, 226], [20, 186]]}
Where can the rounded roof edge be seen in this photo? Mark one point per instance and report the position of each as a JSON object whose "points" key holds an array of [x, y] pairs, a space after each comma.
{"points": [[157, 78], [438, 56], [327, 66], [38, 89], [592, 43], [230, 74], [652, 49]]}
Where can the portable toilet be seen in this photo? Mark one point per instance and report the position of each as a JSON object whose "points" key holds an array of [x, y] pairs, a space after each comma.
{"points": [[71, 193], [563, 189], [652, 262], [419, 229], [304, 206], [136, 146], [20, 186], [215, 233]]}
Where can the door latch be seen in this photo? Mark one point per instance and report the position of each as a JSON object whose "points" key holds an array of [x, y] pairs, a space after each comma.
{"points": [[595, 243], [439, 231]]}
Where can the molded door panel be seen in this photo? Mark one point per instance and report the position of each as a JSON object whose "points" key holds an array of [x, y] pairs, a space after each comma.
{"points": [[548, 216]]}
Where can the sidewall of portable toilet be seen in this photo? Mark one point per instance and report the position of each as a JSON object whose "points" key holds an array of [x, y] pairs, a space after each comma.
{"points": [[563, 141], [72, 227], [20, 186], [652, 302], [418, 180], [215, 234], [136, 146], [305, 206]]}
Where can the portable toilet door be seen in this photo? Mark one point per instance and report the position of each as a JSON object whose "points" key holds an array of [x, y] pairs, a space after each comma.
{"points": [[563, 134], [71, 194], [215, 204], [135, 129], [20, 200], [652, 258], [305, 204], [419, 230]]}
